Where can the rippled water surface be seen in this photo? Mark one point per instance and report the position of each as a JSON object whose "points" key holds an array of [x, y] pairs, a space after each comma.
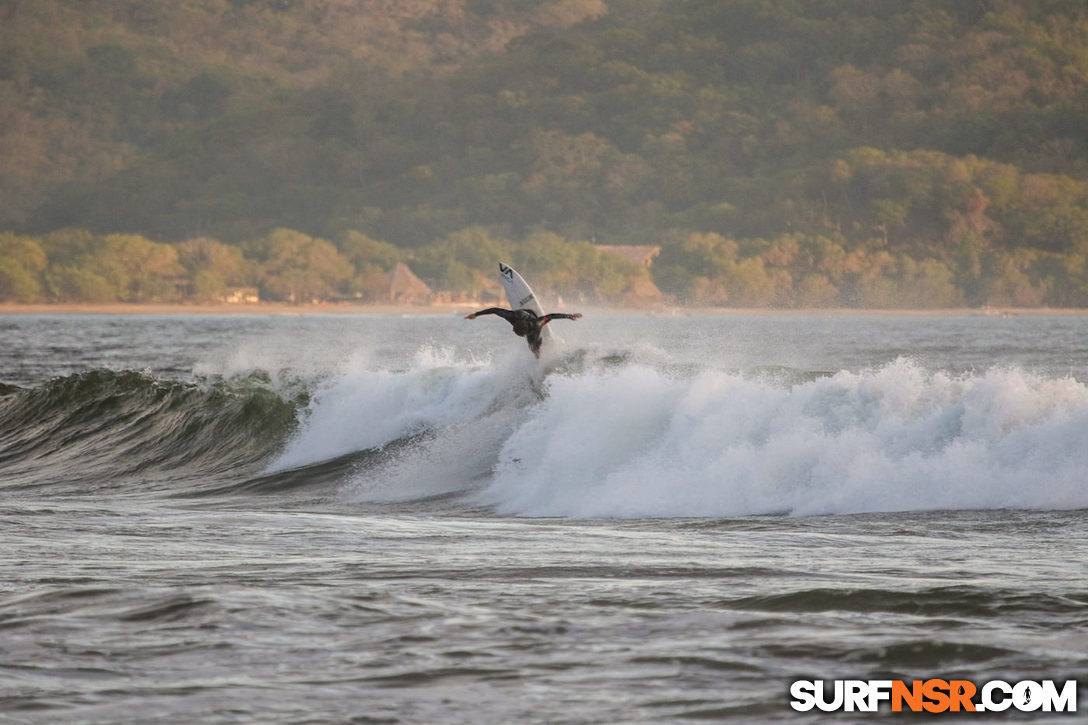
{"points": [[410, 519]]}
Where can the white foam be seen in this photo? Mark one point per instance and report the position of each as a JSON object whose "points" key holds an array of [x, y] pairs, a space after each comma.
{"points": [[642, 439], [636, 442], [363, 407]]}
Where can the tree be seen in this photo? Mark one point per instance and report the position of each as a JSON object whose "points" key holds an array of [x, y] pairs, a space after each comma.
{"points": [[79, 284], [146, 270], [215, 267], [298, 268], [362, 251], [22, 263]]}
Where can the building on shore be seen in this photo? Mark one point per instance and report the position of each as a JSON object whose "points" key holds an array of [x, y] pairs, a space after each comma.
{"points": [[406, 288], [240, 296]]}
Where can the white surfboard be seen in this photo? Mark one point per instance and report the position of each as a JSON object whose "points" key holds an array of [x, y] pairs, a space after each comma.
{"points": [[520, 296], [518, 292]]}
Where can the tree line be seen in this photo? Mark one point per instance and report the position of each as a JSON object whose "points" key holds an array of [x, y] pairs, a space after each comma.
{"points": [[75, 265], [792, 270]]}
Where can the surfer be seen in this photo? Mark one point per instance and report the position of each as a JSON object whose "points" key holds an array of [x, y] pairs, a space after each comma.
{"points": [[526, 323]]}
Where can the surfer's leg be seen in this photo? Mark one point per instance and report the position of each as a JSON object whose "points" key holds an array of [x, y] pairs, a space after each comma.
{"points": [[535, 341]]}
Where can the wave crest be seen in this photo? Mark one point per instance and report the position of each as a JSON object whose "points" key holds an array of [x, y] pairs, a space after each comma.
{"points": [[101, 428]]}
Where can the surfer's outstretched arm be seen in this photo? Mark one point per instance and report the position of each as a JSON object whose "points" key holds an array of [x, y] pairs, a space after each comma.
{"points": [[559, 316], [501, 312]]}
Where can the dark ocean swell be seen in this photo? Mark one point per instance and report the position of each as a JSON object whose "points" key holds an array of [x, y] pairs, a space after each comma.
{"points": [[105, 429]]}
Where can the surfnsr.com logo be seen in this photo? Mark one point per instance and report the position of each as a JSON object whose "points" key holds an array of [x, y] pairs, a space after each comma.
{"points": [[933, 696]]}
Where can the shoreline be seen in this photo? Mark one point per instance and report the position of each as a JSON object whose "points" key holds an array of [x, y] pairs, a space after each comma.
{"points": [[284, 309], [258, 308]]}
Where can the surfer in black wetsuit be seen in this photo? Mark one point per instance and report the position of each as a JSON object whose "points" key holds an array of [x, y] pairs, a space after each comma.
{"points": [[526, 323]]}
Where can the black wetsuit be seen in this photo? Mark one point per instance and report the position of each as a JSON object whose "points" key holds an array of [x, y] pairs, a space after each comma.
{"points": [[526, 323]]}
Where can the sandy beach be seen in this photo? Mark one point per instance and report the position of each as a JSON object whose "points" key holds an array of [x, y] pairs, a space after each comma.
{"points": [[260, 308], [276, 308]]}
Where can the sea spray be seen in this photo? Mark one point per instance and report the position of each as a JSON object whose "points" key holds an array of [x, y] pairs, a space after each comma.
{"points": [[636, 442], [366, 407], [607, 431]]}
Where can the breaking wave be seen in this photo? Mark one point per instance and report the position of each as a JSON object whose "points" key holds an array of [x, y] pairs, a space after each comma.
{"points": [[591, 434], [606, 435]]}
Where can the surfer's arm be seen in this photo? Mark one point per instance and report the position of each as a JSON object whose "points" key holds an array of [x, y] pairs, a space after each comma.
{"points": [[503, 313], [559, 316]]}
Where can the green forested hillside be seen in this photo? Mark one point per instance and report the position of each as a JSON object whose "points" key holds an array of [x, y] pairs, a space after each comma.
{"points": [[833, 152]]}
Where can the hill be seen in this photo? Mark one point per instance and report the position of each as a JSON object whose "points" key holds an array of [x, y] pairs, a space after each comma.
{"points": [[834, 152]]}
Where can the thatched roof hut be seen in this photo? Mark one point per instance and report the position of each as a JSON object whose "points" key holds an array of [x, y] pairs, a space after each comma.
{"points": [[642, 292], [406, 288]]}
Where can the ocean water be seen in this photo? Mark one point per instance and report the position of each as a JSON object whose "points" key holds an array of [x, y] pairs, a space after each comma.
{"points": [[410, 519]]}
